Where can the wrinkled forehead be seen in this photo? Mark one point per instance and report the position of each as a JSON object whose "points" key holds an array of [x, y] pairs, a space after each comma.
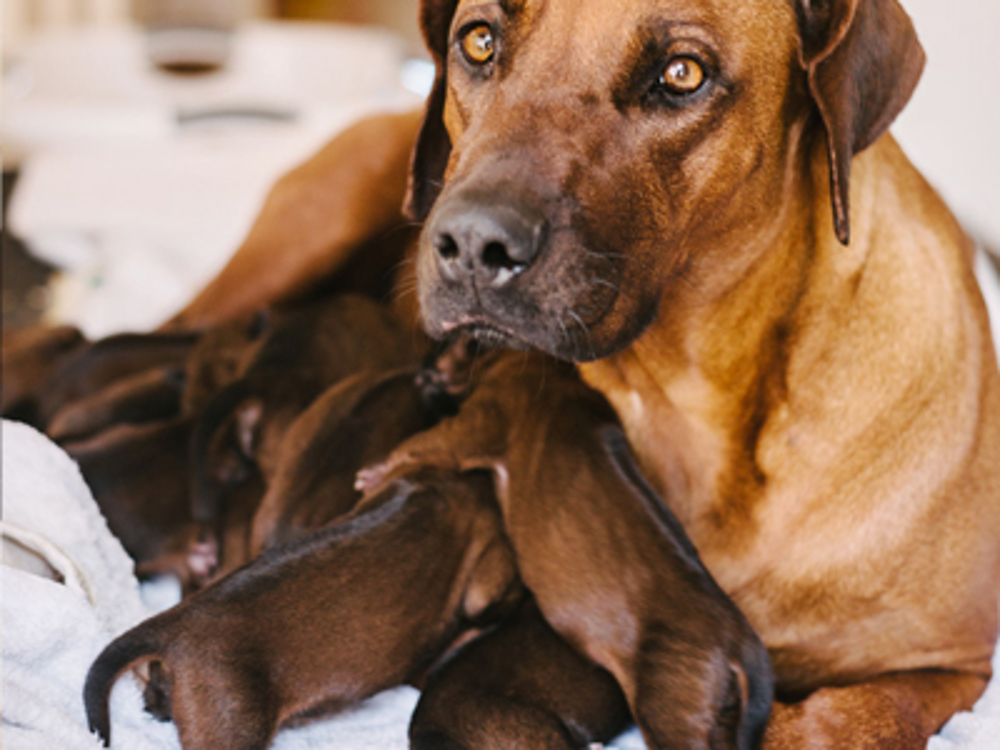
{"points": [[605, 35]]}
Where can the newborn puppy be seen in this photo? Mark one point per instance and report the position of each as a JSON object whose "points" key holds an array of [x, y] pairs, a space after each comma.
{"points": [[298, 358], [29, 358], [147, 396], [353, 424], [612, 570], [518, 685], [94, 367], [221, 356], [319, 624], [140, 479]]}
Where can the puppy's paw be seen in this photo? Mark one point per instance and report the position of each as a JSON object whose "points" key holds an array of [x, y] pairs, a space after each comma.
{"points": [[202, 560]]}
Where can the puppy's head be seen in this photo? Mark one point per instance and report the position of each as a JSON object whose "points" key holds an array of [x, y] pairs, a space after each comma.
{"points": [[582, 165]]}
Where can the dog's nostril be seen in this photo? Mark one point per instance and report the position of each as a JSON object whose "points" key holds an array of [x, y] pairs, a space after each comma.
{"points": [[495, 255], [447, 247]]}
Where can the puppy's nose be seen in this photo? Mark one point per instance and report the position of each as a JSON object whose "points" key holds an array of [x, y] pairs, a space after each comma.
{"points": [[495, 242]]}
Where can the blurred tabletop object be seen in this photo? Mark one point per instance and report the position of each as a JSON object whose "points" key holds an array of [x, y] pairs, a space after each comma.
{"points": [[139, 183]]}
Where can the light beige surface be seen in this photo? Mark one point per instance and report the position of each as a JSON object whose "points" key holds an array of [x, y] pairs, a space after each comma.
{"points": [[950, 128]]}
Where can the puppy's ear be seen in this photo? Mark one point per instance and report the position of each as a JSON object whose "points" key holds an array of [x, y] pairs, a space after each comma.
{"points": [[863, 61], [433, 147]]}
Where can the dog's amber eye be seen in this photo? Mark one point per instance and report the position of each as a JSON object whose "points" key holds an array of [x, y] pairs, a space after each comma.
{"points": [[477, 44], [683, 75]]}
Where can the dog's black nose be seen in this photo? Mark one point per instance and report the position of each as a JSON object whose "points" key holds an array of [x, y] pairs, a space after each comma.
{"points": [[494, 241]]}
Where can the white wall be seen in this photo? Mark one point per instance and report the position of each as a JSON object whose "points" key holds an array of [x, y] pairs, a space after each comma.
{"points": [[951, 128]]}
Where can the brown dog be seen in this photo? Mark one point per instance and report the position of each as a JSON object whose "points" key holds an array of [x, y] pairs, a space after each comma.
{"points": [[222, 356], [316, 625], [610, 567], [648, 187], [517, 686], [93, 367], [355, 424]]}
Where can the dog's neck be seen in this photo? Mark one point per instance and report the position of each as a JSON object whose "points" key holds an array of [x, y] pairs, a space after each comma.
{"points": [[700, 382]]}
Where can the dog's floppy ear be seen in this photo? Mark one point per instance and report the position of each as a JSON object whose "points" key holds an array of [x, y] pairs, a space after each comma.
{"points": [[863, 61], [433, 147]]}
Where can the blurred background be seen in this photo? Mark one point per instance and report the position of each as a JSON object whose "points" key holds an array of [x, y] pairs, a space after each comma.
{"points": [[140, 137]]}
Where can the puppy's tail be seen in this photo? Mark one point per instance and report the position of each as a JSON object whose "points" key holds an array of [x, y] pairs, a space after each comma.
{"points": [[117, 656]]}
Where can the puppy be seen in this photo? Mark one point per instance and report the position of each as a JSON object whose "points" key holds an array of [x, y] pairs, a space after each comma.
{"points": [[147, 396], [96, 366], [353, 424], [314, 626], [612, 570], [29, 359], [517, 686], [241, 429], [221, 356], [139, 476]]}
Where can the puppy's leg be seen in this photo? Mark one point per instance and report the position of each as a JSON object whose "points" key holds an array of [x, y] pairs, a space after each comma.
{"points": [[518, 686], [243, 714], [463, 443], [890, 712]]}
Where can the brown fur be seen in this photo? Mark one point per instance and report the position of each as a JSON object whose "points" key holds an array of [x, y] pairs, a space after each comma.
{"points": [[518, 686], [612, 571], [333, 221], [823, 419], [147, 396], [353, 424], [317, 625], [240, 431], [29, 358]]}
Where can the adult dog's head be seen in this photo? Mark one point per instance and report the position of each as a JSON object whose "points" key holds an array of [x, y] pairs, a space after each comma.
{"points": [[581, 158]]}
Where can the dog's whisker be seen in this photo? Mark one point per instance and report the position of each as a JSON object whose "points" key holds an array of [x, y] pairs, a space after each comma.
{"points": [[586, 332]]}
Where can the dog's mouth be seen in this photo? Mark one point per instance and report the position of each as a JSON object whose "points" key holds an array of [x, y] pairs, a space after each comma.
{"points": [[486, 333]]}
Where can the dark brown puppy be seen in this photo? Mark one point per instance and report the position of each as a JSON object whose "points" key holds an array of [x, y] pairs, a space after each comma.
{"points": [[303, 354], [98, 365], [221, 356], [353, 424], [612, 570], [314, 626], [148, 396], [139, 476], [517, 686], [29, 359]]}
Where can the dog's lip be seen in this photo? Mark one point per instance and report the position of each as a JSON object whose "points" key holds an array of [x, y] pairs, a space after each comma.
{"points": [[465, 322], [480, 327]]}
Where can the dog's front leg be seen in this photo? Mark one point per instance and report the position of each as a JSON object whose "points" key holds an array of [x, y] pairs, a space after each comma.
{"points": [[890, 712]]}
